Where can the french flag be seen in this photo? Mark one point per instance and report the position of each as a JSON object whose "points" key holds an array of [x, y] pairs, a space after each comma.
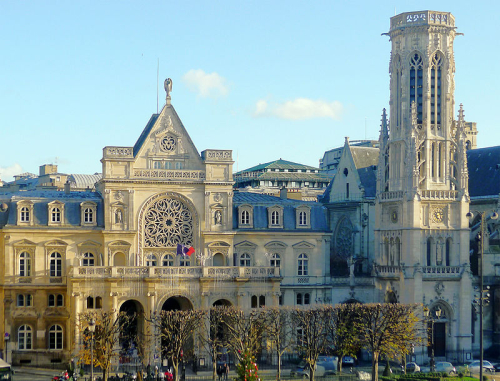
{"points": [[184, 250]]}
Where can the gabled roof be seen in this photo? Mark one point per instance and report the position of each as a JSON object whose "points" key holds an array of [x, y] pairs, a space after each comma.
{"points": [[484, 171], [138, 144], [279, 164]]}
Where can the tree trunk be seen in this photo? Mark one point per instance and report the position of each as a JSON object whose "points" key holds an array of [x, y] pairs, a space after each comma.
{"points": [[214, 370], [312, 371], [278, 376], [175, 365], [375, 366], [339, 364]]}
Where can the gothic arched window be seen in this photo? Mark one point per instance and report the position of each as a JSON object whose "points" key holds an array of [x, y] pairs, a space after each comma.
{"points": [[435, 87], [416, 84]]}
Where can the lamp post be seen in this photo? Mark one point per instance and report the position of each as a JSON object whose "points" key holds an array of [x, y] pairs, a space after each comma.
{"points": [[470, 216], [430, 318], [92, 330]]}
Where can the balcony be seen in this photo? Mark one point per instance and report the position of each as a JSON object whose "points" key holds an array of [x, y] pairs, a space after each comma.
{"points": [[35, 280], [439, 272], [391, 272], [158, 272]]}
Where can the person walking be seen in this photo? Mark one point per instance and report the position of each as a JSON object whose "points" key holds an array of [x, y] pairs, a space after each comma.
{"points": [[226, 371]]}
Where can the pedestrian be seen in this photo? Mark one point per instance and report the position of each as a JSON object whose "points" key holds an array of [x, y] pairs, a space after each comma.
{"points": [[226, 371], [219, 372]]}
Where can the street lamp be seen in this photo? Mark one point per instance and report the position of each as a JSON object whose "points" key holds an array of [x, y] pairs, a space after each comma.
{"points": [[481, 234], [92, 330], [430, 318]]}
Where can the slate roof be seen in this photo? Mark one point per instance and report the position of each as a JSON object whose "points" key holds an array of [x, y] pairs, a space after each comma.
{"points": [[41, 199], [260, 204], [368, 178], [484, 172], [138, 144], [364, 156], [278, 164]]}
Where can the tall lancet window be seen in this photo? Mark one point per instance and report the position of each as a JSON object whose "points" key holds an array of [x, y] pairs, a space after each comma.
{"points": [[435, 86], [397, 73], [416, 84]]}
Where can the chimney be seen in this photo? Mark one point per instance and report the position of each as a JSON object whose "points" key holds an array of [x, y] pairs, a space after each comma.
{"points": [[67, 187], [283, 193]]}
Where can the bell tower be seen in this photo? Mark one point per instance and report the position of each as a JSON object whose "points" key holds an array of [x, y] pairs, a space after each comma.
{"points": [[421, 229]]}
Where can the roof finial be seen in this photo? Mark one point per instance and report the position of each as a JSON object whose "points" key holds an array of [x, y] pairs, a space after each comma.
{"points": [[168, 89]]}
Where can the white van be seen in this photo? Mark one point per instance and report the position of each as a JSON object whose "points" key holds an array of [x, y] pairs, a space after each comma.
{"points": [[325, 366]]}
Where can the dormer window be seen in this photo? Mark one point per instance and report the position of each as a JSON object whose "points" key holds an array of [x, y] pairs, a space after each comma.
{"points": [[25, 213], [56, 213], [88, 211], [303, 217], [275, 217], [245, 216]]}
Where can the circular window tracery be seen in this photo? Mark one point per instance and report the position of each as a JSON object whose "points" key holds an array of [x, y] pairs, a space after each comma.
{"points": [[167, 223], [168, 143]]}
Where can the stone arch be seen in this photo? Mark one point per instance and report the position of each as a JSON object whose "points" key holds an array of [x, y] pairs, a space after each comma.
{"points": [[119, 259], [222, 303], [171, 219], [390, 297], [128, 340], [177, 303]]}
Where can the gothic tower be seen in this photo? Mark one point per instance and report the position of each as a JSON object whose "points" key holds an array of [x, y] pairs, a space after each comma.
{"points": [[422, 237]]}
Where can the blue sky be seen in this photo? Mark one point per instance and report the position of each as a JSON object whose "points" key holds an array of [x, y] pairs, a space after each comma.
{"points": [[267, 79]]}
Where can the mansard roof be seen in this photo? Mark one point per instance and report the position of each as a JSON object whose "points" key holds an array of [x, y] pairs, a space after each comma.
{"points": [[261, 202], [484, 171], [42, 198]]}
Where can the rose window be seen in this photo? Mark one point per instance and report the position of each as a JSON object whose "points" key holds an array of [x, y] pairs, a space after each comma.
{"points": [[168, 143], [343, 239], [168, 222]]}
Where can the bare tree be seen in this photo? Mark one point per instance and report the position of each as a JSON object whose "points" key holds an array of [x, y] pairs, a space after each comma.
{"points": [[311, 337], [343, 330], [212, 334], [244, 330], [176, 329], [109, 330], [279, 331], [388, 330]]}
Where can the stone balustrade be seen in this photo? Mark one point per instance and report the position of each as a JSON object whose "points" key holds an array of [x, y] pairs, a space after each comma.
{"points": [[215, 272]]}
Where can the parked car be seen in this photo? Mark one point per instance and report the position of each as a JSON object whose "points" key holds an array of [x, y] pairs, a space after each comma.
{"points": [[325, 366], [487, 366], [497, 367], [447, 367], [412, 367]]}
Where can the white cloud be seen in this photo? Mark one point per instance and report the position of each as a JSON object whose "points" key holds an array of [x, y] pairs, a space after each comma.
{"points": [[300, 108], [206, 85], [7, 173]]}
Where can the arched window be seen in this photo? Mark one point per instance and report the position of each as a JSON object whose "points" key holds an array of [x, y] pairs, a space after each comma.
{"points": [[88, 259], [25, 214], [262, 301], [448, 251], [56, 215], [275, 260], [245, 217], [24, 264], [98, 302], [435, 85], [254, 301], [302, 268], [416, 84], [429, 251], [52, 300], [55, 264], [303, 218], [245, 260], [90, 302], [151, 260], [299, 299], [157, 165], [397, 73], [24, 338], [307, 299], [56, 337], [88, 215], [59, 300], [398, 251], [168, 260]]}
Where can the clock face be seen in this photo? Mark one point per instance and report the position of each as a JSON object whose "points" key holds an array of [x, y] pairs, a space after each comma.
{"points": [[438, 215]]}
